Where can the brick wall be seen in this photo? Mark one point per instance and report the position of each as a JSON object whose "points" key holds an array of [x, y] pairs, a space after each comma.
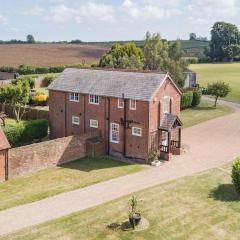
{"points": [[2, 164], [38, 156]]}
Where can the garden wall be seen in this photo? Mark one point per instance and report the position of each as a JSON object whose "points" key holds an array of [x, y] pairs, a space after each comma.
{"points": [[42, 155], [31, 113]]}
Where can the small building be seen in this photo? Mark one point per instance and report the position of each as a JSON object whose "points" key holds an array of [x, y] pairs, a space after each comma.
{"points": [[134, 112], [8, 76], [4, 147], [191, 79]]}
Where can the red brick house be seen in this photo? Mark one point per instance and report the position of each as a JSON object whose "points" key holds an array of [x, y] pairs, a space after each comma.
{"points": [[4, 147], [134, 112]]}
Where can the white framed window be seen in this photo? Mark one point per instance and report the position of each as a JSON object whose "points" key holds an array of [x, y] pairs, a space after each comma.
{"points": [[136, 131], [74, 97], [94, 99], [166, 104], [164, 138], [133, 104], [75, 120], [120, 103], [93, 123], [114, 133]]}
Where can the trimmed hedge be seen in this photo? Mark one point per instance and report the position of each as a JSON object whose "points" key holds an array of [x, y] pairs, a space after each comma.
{"points": [[236, 174], [26, 132], [197, 95], [186, 100]]}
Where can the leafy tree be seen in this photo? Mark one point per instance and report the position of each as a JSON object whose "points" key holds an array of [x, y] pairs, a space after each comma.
{"points": [[218, 89], [123, 56], [192, 36], [30, 39], [225, 40], [16, 95], [155, 51]]}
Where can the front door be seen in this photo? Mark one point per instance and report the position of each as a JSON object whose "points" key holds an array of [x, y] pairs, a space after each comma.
{"points": [[164, 138]]}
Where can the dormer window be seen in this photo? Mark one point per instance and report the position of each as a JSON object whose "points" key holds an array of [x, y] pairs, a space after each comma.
{"points": [[74, 97], [166, 104], [94, 99], [133, 104]]}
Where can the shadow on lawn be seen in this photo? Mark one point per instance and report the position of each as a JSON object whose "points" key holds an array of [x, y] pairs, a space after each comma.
{"points": [[88, 164], [225, 193]]}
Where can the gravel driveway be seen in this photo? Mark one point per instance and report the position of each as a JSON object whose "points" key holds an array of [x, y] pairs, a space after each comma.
{"points": [[207, 145]]}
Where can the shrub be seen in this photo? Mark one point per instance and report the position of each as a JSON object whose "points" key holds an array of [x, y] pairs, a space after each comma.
{"points": [[50, 78], [40, 99], [186, 100], [26, 132], [236, 174], [8, 69], [42, 70], [29, 79], [197, 95], [56, 69], [26, 69]]}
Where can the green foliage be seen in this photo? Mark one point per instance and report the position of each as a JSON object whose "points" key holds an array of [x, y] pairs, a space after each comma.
{"points": [[197, 95], [25, 69], [50, 78], [218, 89], [29, 79], [192, 36], [56, 69], [41, 70], [225, 41], [186, 100], [30, 39], [153, 155], [8, 69], [236, 174], [133, 204], [123, 56], [26, 132]]}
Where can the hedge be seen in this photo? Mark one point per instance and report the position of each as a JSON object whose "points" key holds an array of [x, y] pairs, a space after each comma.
{"points": [[28, 69], [197, 95], [236, 174], [186, 100], [26, 132]]}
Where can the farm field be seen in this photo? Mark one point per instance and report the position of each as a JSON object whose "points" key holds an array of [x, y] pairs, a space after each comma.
{"points": [[227, 72], [202, 206], [50, 54]]}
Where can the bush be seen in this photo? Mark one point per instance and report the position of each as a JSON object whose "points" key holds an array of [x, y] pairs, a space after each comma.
{"points": [[186, 100], [56, 69], [236, 174], [29, 79], [40, 99], [26, 69], [8, 69], [197, 95], [26, 132], [191, 60], [42, 70], [50, 78]]}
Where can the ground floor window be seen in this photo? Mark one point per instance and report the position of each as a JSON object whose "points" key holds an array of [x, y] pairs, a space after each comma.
{"points": [[136, 131], [114, 133], [75, 120], [93, 123]]}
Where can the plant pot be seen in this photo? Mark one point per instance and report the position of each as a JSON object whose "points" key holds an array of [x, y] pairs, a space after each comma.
{"points": [[135, 219], [156, 163]]}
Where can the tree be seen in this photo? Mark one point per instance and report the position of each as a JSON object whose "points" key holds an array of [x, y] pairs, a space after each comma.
{"points": [[30, 39], [192, 36], [218, 89], [123, 56], [16, 95], [225, 40], [155, 51]]}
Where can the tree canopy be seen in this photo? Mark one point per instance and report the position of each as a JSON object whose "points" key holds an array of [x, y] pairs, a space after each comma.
{"points": [[30, 39], [225, 42]]}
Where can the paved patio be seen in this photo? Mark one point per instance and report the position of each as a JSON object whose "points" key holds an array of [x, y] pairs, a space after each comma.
{"points": [[207, 145]]}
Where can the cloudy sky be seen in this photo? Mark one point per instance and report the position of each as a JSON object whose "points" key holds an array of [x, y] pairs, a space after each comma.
{"points": [[95, 20]]}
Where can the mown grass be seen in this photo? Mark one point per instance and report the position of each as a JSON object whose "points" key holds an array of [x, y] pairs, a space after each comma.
{"points": [[45, 183], [204, 112], [227, 72], [203, 206]]}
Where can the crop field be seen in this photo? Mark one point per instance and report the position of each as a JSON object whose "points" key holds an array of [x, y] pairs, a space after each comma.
{"points": [[226, 72], [50, 54]]}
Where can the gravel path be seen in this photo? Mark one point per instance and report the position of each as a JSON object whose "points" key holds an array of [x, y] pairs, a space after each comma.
{"points": [[206, 146]]}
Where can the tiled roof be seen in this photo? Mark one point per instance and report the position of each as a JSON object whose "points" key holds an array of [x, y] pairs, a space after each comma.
{"points": [[168, 121], [134, 85], [4, 144]]}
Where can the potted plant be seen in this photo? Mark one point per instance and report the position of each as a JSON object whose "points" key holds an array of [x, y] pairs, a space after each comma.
{"points": [[153, 158], [134, 215]]}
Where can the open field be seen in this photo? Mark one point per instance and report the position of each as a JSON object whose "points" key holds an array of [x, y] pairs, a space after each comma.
{"points": [[204, 112], [203, 206], [227, 72], [50, 54], [67, 177]]}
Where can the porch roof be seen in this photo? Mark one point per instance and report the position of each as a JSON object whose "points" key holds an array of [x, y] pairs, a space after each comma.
{"points": [[169, 122]]}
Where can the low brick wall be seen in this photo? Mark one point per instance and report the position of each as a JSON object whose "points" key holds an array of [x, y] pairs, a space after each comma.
{"points": [[42, 155]]}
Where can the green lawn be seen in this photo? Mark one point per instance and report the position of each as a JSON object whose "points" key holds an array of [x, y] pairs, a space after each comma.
{"points": [[45, 183], [204, 112], [227, 72], [203, 206]]}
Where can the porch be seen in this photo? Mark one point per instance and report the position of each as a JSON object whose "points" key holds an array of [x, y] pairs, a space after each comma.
{"points": [[167, 139]]}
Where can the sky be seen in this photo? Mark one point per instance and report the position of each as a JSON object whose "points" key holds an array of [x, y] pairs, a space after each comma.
{"points": [[94, 20]]}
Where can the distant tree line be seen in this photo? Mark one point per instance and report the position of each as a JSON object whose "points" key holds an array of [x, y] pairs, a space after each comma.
{"points": [[156, 54], [194, 37]]}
